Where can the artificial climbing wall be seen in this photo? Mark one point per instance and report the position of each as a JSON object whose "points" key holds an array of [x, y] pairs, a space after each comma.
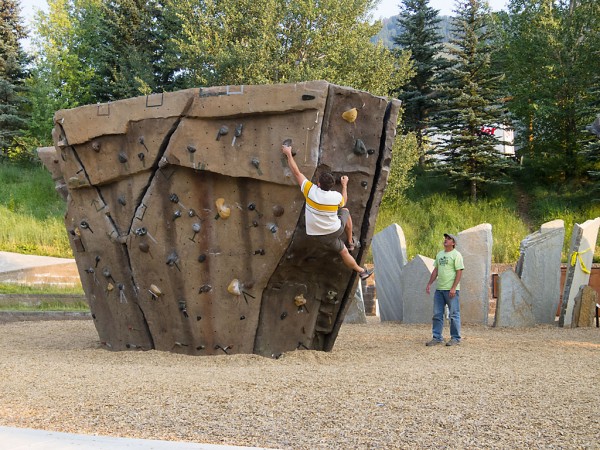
{"points": [[187, 225]]}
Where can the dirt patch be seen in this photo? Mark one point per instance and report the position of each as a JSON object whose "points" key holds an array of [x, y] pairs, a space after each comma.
{"points": [[379, 388]]}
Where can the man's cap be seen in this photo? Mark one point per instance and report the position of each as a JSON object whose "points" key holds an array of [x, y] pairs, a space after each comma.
{"points": [[450, 236]]}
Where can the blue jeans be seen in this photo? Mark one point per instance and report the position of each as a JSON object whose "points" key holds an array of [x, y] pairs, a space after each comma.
{"points": [[440, 299]]}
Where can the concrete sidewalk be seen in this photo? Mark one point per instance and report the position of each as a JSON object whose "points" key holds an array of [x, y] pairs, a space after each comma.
{"points": [[28, 439], [33, 269], [16, 261]]}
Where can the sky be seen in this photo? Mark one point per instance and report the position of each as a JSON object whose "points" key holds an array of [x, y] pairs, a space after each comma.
{"points": [[387, 8]]}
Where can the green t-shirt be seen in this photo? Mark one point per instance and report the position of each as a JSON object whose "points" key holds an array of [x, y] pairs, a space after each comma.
{"points": [[447, 264]]}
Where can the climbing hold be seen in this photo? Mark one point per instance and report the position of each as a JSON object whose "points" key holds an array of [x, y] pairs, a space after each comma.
{"points": [[299, 300], [359, 148], [256, 163], [204, 289], [364, 184], [237, 133], [176, 214], [223, 211], [96, 146], [234, 287], [251, 206], [288, 143], [123, 157], [278, 210], [155, 291], [110, 287], [183, 307], [144, 247], [222, 132], [122, 200], [191, 149], [202, 258], [172, 259], [174, 198], [350, 115], [191, 213], [141, 156]]}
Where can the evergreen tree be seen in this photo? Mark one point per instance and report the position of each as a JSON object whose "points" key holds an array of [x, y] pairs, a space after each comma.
{"points": [[419, 25], [471, 109], [12, 75]]}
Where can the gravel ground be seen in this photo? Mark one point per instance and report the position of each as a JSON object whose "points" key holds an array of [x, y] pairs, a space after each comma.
{"points": [[379, 388]]}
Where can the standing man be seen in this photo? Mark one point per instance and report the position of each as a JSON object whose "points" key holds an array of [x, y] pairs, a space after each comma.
{"points": [[326, 219], [448, 268]]}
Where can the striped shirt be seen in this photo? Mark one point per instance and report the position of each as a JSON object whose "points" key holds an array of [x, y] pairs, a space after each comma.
{"points": [[321, 209]]}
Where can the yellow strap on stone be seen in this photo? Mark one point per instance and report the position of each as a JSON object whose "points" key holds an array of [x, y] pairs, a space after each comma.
{"points": [[577, 255]]}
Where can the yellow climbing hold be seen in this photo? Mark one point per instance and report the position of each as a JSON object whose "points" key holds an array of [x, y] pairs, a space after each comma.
{"points": [[234, 287], [299, 300], [350, 115], [224, 211], [155, 290]]}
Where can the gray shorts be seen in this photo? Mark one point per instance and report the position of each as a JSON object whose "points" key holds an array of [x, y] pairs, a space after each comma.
{"points": [[334, 240]]}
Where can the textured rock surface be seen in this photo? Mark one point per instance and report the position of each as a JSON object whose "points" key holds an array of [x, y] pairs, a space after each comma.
{"points": [[475, 244], [539, 269], [418, 306], [584, 309], [514, 307], [356, 311], [389, 256], [581, 253], [188, 227]]}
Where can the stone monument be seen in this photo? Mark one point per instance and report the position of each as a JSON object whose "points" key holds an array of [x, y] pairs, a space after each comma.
{"points": [[475, 244], [389, 257], [531, 294], [581, 254], [187, 225]]}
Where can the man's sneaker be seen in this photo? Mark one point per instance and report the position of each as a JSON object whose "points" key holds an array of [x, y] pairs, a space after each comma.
{"points": [[434, 342], [366, 273], [452, 342]]}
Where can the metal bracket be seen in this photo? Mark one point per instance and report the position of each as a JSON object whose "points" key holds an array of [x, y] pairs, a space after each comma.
{"points": [[162, 97], [101, 113]]}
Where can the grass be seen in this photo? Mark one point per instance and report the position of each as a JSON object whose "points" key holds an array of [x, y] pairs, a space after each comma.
{"points": [[48, 306], [48, 297], [31, 212], [424, 222], [42, 289]]}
